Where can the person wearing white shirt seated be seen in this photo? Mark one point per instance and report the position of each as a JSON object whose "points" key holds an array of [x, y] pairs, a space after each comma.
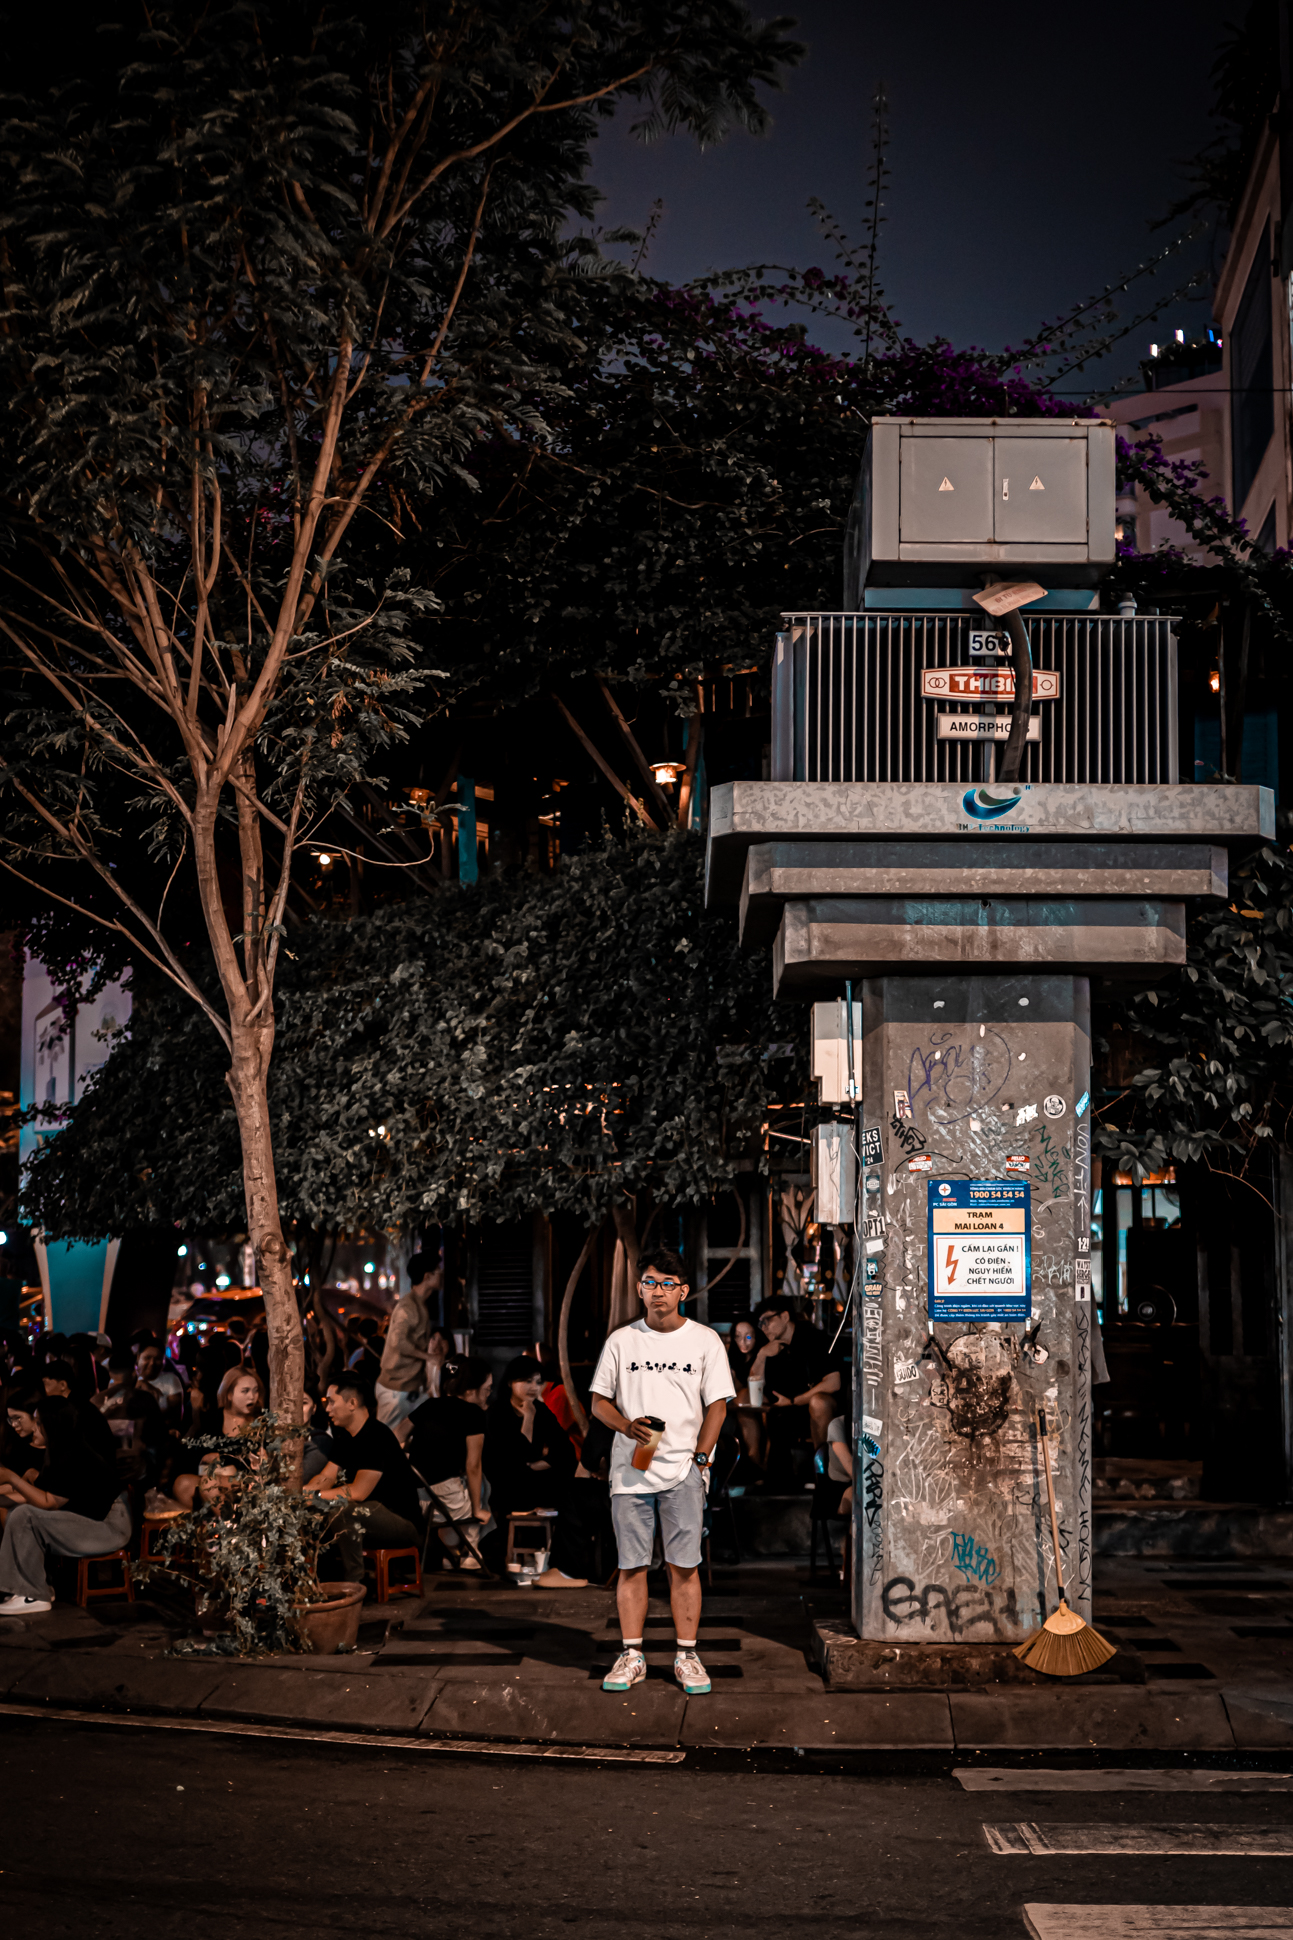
{"points": [[663, 1384]]}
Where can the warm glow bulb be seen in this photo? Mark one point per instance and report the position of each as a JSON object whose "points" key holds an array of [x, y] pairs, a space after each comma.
{"points": [[1214, 681]]}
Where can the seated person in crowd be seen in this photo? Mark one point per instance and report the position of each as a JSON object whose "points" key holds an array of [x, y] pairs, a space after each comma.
{"points": [[446, 1442], [363, 1339], [74, 1508], [17, 1449], [133, 1414], [530, 1464], [799, 1381], [155, 1374], [365, 1464], [213, 1361], [839, 1459], [59, 1380], [239, 1399], [742, 1346]]}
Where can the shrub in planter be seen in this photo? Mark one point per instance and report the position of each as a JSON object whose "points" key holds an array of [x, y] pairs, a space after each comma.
{"points": [[245, 1558]]}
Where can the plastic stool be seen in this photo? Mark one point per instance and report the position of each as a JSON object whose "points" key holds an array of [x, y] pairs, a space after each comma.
{"points": [[84, 1564], [381, 1560], [149, 1529]]}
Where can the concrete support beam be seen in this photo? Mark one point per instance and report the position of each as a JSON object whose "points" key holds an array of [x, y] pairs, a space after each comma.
{"points": [[743, 813], [826, 939], [780, 872]]}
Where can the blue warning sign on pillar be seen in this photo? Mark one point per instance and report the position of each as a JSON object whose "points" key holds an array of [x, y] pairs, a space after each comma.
{"points": [[980, 1250]]}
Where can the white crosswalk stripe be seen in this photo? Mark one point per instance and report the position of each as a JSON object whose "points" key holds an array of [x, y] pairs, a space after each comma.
{"points": [[1130, 1779], [1220, 1841], [1052, 1922]]}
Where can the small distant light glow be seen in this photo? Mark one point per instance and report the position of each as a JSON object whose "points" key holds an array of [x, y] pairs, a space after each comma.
{"points": [[4, 1237], [325, 861], [222, 1279], [1214, 681], [1153, 350], [370, 1266], [1180, 336], [381, 1131], [181, 1252]]}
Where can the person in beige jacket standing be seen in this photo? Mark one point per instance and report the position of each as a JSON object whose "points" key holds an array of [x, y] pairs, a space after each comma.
{"points": [[402, 1383]]}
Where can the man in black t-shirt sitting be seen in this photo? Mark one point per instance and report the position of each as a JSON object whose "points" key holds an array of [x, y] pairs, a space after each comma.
{"points": [[794, 1364], [365, 1464]]}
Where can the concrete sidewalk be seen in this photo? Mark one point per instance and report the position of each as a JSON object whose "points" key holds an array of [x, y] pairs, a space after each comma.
{"points": [[1213, 1643]]}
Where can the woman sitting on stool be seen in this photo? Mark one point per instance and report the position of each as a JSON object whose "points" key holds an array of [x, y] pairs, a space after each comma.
{"points": [[530, 1463], [73, 1508]]}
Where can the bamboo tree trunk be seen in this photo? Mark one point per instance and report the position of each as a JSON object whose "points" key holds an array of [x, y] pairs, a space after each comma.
{"points": [[247, 1079]]}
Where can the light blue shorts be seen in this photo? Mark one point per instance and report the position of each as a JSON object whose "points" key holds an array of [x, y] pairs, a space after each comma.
{"points": [[680, 1512]]}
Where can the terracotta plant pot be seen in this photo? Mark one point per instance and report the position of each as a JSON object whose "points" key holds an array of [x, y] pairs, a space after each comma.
{"points": [[333, 1625]]}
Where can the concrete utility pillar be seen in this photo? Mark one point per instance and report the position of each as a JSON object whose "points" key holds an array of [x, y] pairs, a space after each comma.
{"points": [[970, 907], [973, 1078]]}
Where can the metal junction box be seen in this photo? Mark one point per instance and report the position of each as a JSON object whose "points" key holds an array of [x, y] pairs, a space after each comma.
{"points": [[942, 498]]}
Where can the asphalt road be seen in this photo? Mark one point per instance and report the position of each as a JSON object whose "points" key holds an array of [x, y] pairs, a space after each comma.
{"points": [[110, 1831]]}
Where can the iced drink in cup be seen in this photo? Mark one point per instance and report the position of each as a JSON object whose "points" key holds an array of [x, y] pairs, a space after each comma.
{"points": [[756, 1393], [644, 1451]]}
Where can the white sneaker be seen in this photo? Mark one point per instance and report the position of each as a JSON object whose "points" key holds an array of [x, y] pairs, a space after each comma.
{"points": [[628, 1669], [24, 1606], [691, 1673]]}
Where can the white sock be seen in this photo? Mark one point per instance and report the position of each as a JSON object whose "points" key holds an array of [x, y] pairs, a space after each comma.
{"points": [[684, 1645], [632, 1643]]}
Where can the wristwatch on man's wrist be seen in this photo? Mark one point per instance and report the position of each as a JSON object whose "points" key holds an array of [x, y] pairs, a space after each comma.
{"points": [[701, 1459]]}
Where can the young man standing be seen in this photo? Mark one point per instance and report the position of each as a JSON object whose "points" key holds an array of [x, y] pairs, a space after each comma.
{"points": [[670, 1368]]}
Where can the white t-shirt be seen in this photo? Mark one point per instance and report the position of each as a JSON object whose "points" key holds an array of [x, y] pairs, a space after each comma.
{"points": [[672, 1376]]}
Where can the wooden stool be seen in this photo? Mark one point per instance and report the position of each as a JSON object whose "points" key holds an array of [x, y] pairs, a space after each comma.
{"points": [[149, 1529], [528, 1538], [381, 1560], [84, 1564]]}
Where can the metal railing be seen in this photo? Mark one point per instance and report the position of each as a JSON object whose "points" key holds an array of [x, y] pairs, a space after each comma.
{"points": [[847, 702]]}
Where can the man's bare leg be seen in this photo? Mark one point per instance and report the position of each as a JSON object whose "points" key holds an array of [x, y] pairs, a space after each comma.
{"points": [[631, 1602], [684, 1601], [822, 1410]]}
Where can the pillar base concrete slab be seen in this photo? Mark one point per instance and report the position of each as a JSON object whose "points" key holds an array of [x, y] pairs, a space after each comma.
{"points": [[851, 1663]]}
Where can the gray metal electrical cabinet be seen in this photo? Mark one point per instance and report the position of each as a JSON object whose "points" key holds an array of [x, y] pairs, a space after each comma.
{"points": [[940, 498]]}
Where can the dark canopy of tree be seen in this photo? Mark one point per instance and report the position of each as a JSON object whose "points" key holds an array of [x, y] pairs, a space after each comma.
{"points": [[549, 1043]]}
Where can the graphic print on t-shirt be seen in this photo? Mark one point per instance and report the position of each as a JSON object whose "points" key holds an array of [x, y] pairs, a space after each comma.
{"points": [[673, 1376]]}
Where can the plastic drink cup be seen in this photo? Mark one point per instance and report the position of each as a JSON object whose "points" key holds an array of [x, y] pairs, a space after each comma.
{"points": [[644, 1451], [756, 1393]]}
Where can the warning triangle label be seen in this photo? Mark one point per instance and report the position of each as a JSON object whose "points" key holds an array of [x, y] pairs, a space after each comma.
{"points": [[947, 486], [1037, 486]]}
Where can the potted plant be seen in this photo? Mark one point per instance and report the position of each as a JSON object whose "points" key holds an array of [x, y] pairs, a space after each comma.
{"points": [[245, 1558]]}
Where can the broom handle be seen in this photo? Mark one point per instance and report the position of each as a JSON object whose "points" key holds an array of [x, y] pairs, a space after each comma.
{"points": [[1050, 1497]]}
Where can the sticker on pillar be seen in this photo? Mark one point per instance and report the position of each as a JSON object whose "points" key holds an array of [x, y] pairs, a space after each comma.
{"points": [[923, 1162], [1054, 1106], [873, 1269], [1082, 1104], [980, 1244], [1017, 1162], [1082, 1279], [872, 1150], [901, 1105], [873, 1226]]}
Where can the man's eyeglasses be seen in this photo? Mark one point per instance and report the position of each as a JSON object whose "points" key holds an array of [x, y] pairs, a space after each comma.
{"points": [[667, 1286]]}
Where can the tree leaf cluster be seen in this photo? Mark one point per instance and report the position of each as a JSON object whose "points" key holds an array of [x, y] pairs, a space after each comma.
{"points": [[552, 1043]]}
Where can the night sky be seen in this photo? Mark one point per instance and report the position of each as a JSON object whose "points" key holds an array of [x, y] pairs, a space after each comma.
{"points": [[1031, 148]]}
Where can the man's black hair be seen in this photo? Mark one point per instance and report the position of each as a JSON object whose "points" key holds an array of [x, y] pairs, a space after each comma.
{"points": [[420, 1265], [663, 1259], [350, 1381], [777, 1303]]}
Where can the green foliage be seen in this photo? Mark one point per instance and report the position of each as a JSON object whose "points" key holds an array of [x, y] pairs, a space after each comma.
{"points": [[248, 1554], [1223, 1031], [532, 1042]]}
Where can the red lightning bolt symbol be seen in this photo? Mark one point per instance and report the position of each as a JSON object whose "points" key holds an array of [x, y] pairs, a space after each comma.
{"points": [[952, 1264]]}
